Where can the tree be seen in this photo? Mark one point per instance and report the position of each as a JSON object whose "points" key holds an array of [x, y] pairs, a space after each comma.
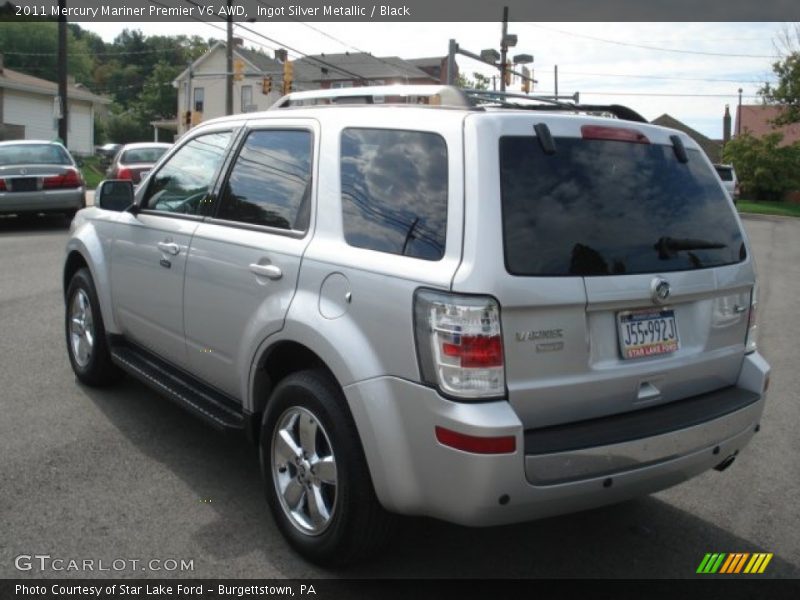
{"points": [[33, 48], [786, 92], [480, 82], [766, 170]]}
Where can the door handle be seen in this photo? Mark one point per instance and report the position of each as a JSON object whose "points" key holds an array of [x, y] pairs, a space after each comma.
{"points": [[169, 248], [269, 271]]}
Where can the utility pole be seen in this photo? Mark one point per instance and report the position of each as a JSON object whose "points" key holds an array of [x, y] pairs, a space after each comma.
{"points": [[503, 50], [451, 62], [739, 116], [62, 73], [556, 75], [229, 65]]}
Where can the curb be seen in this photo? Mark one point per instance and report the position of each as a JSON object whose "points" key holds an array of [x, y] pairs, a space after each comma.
{"points": [[762, 217]]}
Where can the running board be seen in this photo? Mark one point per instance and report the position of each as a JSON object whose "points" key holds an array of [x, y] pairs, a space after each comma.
{"points": [[211, 406]]}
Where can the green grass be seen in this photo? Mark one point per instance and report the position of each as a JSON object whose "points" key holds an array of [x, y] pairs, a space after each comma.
{"points": [[784, 209], [93, 172]]}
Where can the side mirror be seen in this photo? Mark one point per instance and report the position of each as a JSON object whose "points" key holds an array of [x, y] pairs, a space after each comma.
{"points": [[114, 194]]}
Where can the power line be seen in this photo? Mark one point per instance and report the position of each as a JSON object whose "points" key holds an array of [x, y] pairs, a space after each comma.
{"points": [[334, 38], [668, 95], [646, 47], [287, 47], [657, 77]]}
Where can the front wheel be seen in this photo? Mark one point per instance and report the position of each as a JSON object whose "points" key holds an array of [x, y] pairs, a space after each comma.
{"points": [[86, 335], [317, 482]]}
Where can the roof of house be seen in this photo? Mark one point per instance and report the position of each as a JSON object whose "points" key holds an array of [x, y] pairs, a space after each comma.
{"points": [[15, 80], [756, 119], [358, 65], [256, 60], [427, 62], [259, 60], [712, 148]]}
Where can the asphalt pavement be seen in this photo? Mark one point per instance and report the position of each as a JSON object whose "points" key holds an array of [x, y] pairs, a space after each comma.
{"points": [[122, 474]]}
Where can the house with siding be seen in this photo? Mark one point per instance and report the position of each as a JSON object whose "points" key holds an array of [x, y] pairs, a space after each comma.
{"points": [[201, 86], [27, 110]]}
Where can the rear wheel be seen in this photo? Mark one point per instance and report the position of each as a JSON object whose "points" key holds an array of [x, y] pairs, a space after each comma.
{"points": [[86, 336], [317, 482]]}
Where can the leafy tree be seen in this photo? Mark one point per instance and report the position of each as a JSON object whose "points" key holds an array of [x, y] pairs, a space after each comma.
{"points": [[159, 99], [479, 82], [765, 169], [127, 126], [786, 92], [32, 47]]}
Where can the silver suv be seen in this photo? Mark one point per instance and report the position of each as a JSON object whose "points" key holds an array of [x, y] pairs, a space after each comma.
{"points": [[480, 309]]}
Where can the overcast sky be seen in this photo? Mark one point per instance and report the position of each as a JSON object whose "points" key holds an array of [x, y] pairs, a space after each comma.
{"points": [[603, 61]]}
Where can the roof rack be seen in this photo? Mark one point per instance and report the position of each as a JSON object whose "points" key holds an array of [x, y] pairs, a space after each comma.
{"points": [[488, 98], [453, 97], [430, 95]]}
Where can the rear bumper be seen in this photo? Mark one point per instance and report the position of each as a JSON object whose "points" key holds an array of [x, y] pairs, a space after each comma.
{"points": [[41, 201], [414, 474]]}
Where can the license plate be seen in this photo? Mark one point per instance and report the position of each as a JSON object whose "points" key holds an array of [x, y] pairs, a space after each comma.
{"points": [[647, 333], [24, 184], [143, 174]]}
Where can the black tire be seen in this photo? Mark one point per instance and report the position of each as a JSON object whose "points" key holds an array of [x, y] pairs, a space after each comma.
{"points": [[95, 367], [357, 525]]}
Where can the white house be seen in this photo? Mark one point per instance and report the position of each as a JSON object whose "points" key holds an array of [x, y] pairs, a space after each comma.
{"points": [[201, 86], [27, 110]]}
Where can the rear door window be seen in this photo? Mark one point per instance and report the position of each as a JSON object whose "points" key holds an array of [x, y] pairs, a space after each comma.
{"points": [[601, 207]]}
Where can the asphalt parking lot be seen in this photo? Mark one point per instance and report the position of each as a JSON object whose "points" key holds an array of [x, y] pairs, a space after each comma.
{"points": [[124, 474]]}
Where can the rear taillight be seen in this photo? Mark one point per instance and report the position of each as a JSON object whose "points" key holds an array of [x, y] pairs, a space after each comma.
{"points": [[615, 134], [69, 179], [124, 173], [752, 330], [460, 344], [2, 185]]}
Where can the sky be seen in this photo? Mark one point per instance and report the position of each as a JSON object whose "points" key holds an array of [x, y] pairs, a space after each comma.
{"points": [[688, 70]]}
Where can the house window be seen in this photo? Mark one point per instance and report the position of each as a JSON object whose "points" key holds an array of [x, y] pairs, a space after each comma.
{"points": [[341, 84], [199, 97], [186, 95], [247, 97]]}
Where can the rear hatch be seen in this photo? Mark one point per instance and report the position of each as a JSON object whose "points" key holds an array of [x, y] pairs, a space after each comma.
{"points": [[621, 270]]}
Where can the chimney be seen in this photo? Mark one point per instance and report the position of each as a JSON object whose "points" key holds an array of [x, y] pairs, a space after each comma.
{"points": [[726, 126], [281, 55]]}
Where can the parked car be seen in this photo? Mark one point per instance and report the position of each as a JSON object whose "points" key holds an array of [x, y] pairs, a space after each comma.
{"points": [[134, 161], [480, 309], [107, 152], [729, 180], [38, 177]]}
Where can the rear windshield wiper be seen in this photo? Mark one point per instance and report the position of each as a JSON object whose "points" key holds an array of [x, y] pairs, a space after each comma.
{"points": [[667, 247]]}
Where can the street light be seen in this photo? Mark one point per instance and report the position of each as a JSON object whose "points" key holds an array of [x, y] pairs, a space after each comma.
{"points": [[523, 59], [510, 40], [490, 55]]}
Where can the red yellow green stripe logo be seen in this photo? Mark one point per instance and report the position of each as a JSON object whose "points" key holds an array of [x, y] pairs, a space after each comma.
{"points": [[734, 563]]}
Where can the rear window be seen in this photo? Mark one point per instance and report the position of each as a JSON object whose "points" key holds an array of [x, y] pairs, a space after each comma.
{"points": [[599, 207], [394, 191], [142, 155], [33, 154], [725, 173]]}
